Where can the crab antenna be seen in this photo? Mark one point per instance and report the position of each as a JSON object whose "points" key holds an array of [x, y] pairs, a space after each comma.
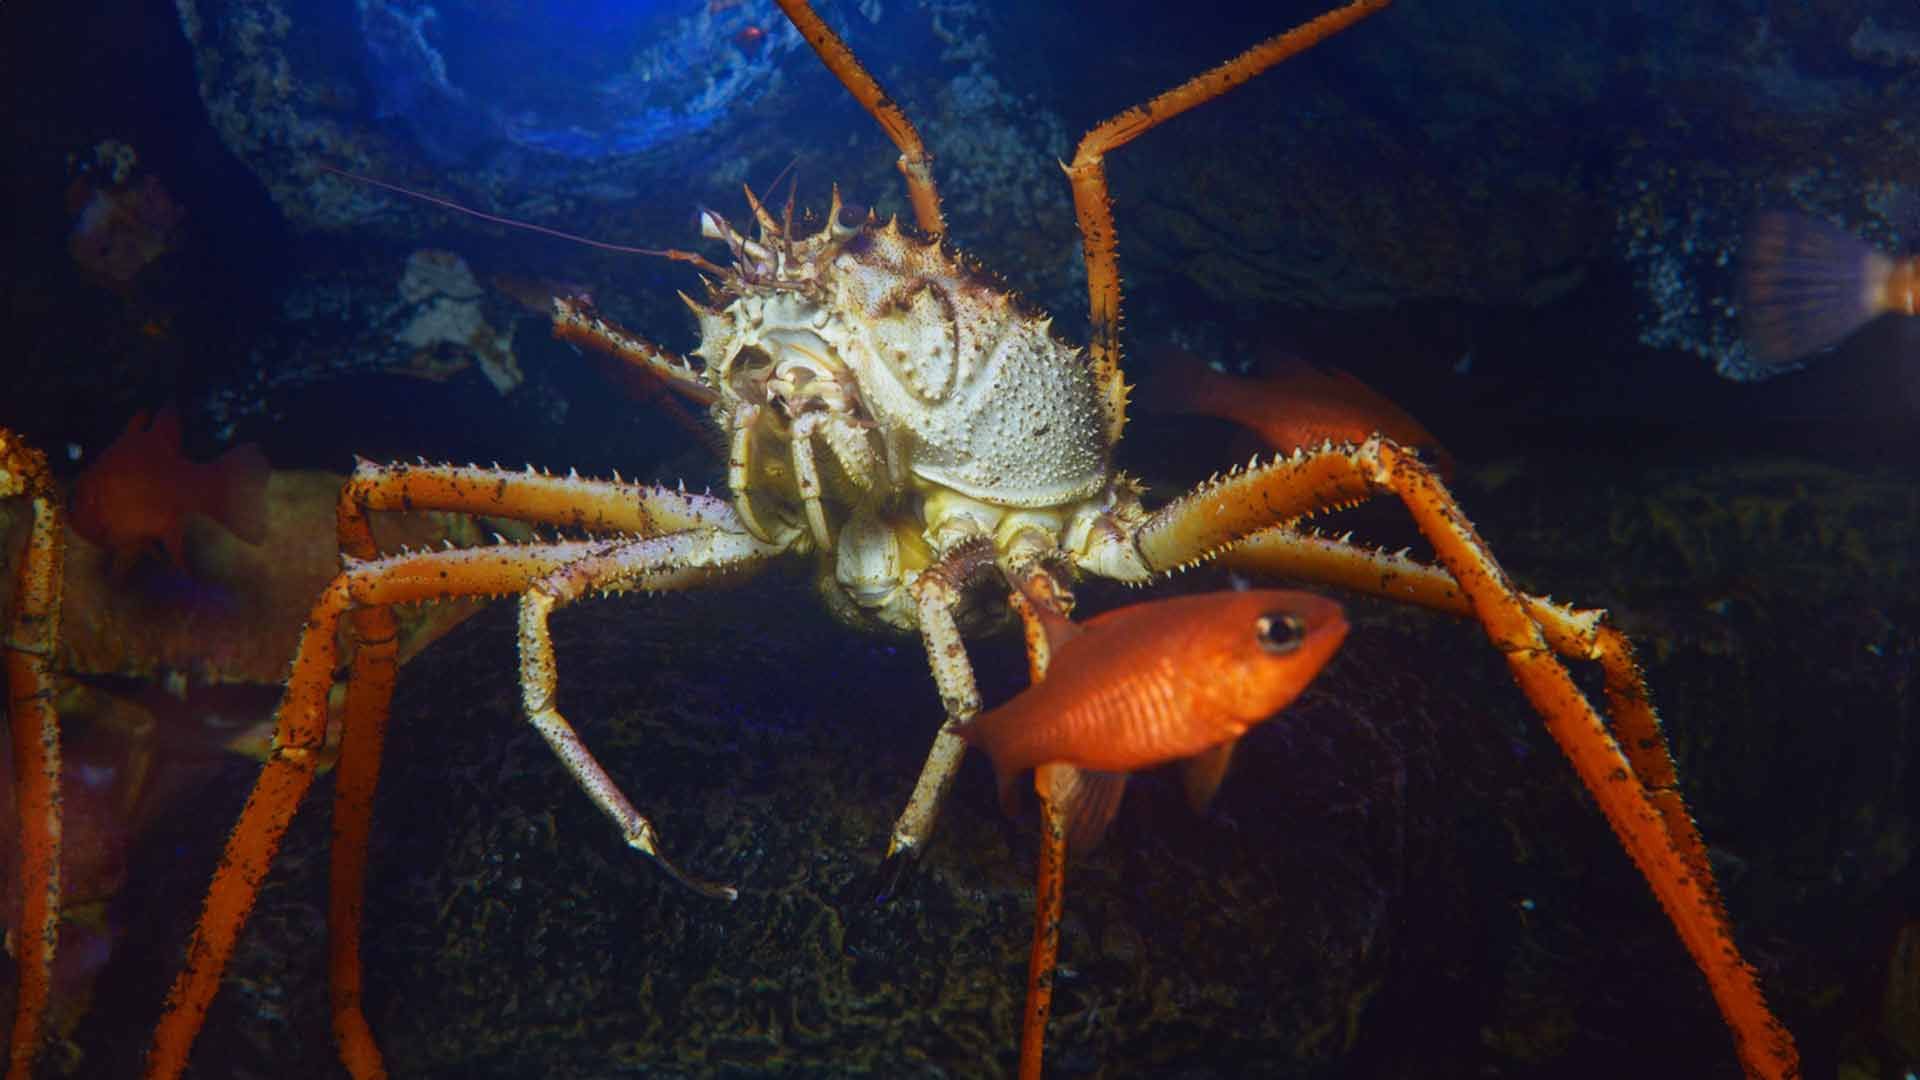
{"points": [[513, 223]]}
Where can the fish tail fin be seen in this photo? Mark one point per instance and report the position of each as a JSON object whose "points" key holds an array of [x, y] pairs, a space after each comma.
{"points": [[235, 484], [1091, 800], [1807, 285]]}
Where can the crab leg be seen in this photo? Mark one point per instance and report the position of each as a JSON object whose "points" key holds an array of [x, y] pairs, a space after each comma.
{"points": [[915, 163], [299, 733], [1049, 782], [33, 632], [595, 505], [1571, 632], [652, 563], [936, 592], [1088, 174], [368, 588], [1225, 511], [576, 322]]}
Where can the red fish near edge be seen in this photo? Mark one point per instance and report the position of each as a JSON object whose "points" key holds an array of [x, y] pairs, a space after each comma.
{"points": [[1293, 404], [1174, 679], [142, 486], [1808, 286]]}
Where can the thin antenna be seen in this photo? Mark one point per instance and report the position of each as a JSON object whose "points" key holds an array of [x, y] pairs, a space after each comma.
{"points": [[696, 260]]}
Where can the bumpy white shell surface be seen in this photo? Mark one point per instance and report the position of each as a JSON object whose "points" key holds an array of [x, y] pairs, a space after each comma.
{"points": [[991, 404]]}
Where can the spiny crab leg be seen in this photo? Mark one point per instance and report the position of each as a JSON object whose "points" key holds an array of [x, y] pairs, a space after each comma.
{"points": [[936, 594], [1050, 782], [1572, 632], [33, 632], [676, 561], [575, 321], [1226, 510], [571, 501], [1088, 174], [915, 163], [693, 539]]}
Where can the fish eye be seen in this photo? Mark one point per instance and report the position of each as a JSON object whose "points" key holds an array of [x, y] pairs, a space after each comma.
{"points": [[1280, 632]]}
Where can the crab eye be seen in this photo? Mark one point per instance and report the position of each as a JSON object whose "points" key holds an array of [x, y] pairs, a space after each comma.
{"points": [[1279, 633]]}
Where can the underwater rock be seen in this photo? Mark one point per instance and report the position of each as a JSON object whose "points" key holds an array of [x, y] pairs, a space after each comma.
{"points": [[447, 312]]}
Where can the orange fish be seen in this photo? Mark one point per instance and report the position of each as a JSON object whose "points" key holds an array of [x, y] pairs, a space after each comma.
{"points": [[142, 487], [1153, 683], [1808, 285], [1295, 405]]}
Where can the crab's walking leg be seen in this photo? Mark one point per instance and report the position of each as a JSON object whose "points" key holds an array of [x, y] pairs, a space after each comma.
{"points": [[1571, 632], [1088, 174], [576, 322], [33, 632], [299, 733], [1225, 511], [300, 725], [596, 505], [676, 561], [915, 163], [936, 592], [1049, 782]]}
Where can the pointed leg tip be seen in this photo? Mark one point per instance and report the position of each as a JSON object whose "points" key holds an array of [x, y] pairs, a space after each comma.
{"points": [[892, 873]]}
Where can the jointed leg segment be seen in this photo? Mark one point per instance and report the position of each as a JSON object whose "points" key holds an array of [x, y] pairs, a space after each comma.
{"points": [[667, 540], [32, 634], [1088, 175], [936, 595], [618, 566], [1571, 632], [1644, 809], [915, 163]]}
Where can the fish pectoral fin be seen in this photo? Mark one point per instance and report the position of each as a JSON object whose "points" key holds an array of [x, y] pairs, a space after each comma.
{"points": [[1201, 774], [1091, 800]]}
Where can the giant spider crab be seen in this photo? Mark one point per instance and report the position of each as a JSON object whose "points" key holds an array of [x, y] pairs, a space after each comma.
{"points": [[964, 445]]}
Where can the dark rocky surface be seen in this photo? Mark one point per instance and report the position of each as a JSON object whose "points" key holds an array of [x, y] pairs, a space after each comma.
{"points": [[1523, 228]]}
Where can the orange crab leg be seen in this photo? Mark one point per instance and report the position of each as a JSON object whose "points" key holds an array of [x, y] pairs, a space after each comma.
{"points": [[1224, 511], [356, 777], [915, 163], [1088, 174], [1049, 900], [1051, 876], [33, 632], [368, 589], [595, 505], [575, 321], [299, 734], [572, 501], [1571, 633]]}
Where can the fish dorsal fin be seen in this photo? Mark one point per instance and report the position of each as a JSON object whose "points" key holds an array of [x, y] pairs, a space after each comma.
{"points": [[1201, 774], [1091, 800], [166, 428], [138, 422]]}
